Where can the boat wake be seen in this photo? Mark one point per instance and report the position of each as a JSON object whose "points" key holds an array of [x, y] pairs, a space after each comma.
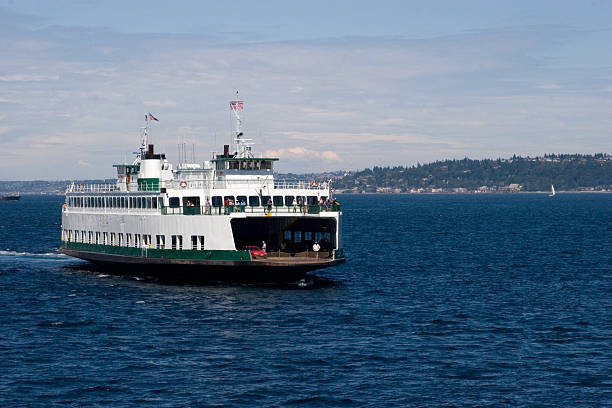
{"points": [[45, 255]]}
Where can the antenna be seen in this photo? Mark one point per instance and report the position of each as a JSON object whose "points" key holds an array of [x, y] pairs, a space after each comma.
{"points": [[243, 146], [145, 131]]}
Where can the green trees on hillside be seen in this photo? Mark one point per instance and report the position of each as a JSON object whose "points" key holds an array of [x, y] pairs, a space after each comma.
{"points": [[565, 171]]}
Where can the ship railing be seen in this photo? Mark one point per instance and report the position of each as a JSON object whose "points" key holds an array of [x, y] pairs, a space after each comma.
{"points": [[226, 210], [91, 188], [301, 184], [278, 184], [192, 184]]}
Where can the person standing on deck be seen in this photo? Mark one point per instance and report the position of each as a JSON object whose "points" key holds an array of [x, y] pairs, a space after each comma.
{"points": [[315, 248], [263, 246]]}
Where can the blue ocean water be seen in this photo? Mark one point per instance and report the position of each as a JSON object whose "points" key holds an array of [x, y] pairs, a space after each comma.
{"points": [[446, 300]]}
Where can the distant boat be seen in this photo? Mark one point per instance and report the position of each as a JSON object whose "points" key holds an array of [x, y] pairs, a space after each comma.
{"points": [[552, 191], [10, 197]]}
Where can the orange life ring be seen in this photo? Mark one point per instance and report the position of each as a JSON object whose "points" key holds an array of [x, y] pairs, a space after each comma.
{"points": [[314, 183], [183, 184]]}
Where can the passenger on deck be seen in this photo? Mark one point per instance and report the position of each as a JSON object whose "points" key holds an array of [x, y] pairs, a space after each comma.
{"points": [[263, 245], [316, 248], [294, 204], [207, 207], [270, 204]]}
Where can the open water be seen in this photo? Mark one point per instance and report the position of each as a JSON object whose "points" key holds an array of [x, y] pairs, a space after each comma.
{"points": [[446, 300]]}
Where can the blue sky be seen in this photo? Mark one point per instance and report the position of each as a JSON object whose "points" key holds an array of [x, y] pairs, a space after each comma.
{"points": [[328, 84]]}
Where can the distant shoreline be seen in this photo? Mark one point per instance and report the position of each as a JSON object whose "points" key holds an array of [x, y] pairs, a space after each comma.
{"points": [[484, 193], [58, 194]]}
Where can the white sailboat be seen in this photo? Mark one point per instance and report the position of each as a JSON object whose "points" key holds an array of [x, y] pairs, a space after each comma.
{"points": [[552, 191]]}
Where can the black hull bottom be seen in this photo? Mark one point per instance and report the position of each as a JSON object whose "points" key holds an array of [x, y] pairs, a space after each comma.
{"points": [[205, 272]]}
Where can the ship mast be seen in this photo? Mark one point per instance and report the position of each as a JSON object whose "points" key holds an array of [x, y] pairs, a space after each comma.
{"points": [[243, 145], [145, 132]]}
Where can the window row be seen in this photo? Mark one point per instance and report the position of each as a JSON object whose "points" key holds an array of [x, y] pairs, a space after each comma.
{"points": [[264, 200], [115, 202], [131, 240], [306, 236]]}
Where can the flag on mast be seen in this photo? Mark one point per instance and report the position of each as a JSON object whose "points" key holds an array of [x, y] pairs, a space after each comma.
{"points": [[236, 105], [151, 117]]}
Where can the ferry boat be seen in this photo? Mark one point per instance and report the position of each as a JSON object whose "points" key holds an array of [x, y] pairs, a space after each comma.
{"points": [[10, 197], [202, 221]]}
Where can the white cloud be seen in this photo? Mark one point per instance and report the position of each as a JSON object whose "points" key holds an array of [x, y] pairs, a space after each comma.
{"points": [[304, 155], [28, 78], [349, 103], [548, 86]]}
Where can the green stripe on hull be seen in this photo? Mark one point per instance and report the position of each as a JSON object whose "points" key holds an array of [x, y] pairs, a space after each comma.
{"points": [[212, 255]]}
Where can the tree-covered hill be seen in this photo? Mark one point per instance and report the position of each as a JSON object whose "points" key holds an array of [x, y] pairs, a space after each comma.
{"points": [[565, 171]]}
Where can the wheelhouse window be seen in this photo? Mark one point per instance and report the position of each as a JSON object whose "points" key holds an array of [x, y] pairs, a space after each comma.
{"points": [[217, 201], [289, 200], [313, 200]]}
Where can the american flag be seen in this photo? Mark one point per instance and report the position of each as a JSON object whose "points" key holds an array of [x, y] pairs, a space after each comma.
{"points": [[151, 117], [236, 105]]}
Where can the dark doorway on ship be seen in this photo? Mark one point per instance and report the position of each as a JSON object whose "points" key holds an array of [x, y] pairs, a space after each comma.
{"points": [[286, 236], [191, 205]]}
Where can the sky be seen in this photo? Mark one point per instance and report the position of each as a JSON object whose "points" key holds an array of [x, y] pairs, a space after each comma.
{"points": [[327, 85]]}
